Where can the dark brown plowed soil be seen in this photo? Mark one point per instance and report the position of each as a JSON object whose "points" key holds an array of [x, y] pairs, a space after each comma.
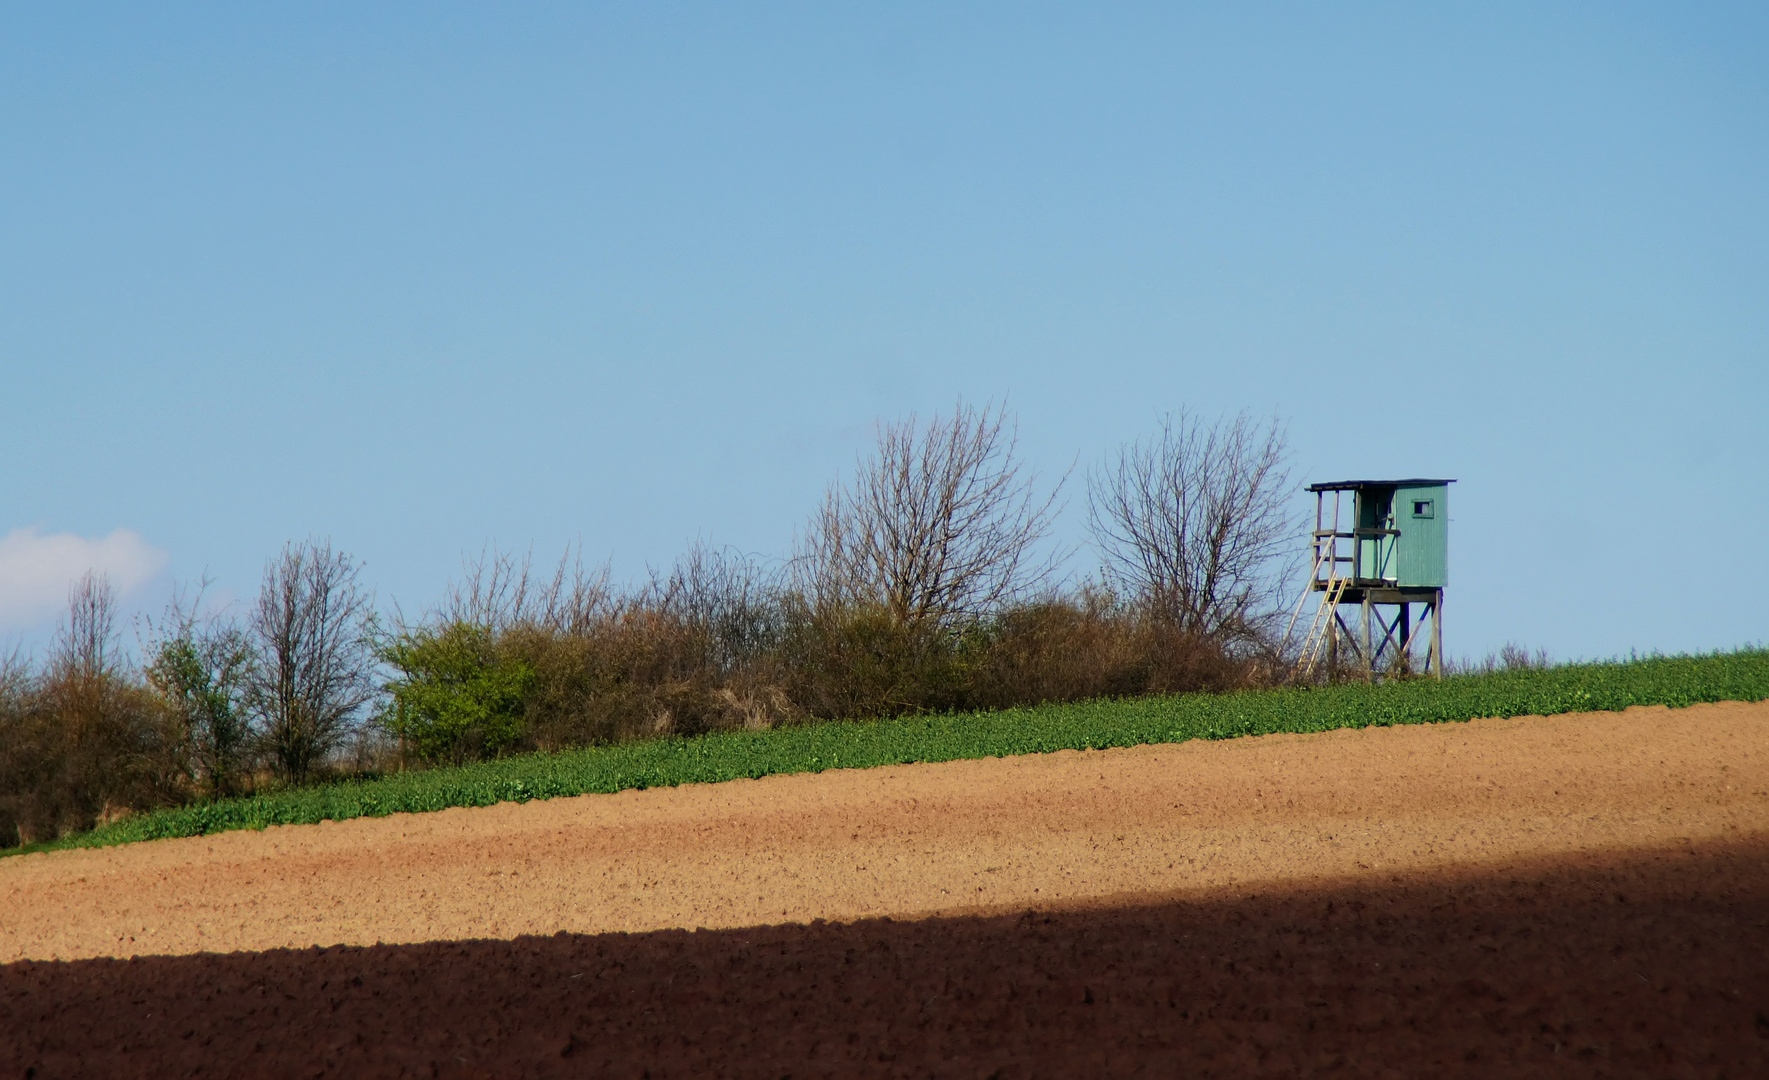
{"points": [[1650, 964]]}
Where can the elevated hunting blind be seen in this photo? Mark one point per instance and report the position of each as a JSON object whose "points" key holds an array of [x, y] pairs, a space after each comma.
{"points": [[1394, 554]]}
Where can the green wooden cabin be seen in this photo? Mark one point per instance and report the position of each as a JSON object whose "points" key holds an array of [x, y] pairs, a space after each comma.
{"points": [[1400, 535]]}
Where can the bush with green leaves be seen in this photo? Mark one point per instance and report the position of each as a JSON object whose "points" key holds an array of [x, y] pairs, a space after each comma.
{"points": [[456, 697], [201, 673]]}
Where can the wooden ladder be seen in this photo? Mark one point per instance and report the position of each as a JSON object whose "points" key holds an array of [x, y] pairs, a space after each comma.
{"points": [[1318, 631]]}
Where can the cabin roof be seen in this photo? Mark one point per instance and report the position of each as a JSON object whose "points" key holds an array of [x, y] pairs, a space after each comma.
{"points": [[1354, 485]]}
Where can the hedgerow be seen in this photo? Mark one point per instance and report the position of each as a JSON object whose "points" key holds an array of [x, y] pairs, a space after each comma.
{"points": [[1741, 675]]}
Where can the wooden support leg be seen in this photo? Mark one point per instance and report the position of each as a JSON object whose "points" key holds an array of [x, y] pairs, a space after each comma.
{"points": [[1364, 632], [1381, 649], [1406, 638], [1437, 633]]}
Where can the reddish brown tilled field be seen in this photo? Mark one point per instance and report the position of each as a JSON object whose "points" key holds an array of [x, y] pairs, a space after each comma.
{"points": [[1655, 964], [1048, 831]]}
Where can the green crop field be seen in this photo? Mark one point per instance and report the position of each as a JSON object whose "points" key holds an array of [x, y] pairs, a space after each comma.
{"points": [[1742, 675]]}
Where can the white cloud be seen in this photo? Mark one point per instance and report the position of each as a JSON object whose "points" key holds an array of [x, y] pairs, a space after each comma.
{"points": [[37, 569]]}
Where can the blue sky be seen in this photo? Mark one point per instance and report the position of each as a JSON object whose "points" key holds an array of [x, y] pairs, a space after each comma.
{"points": [[423, 277]]}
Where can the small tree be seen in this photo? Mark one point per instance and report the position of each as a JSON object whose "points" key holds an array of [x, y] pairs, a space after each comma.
{"points": [[1194, 523], [938, 527], [312, 630], [203, 670]]}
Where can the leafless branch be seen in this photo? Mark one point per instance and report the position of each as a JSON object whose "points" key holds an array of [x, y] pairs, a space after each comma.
{"points": [[86, 645], [1195, 522], [938, 526], [500, 591], [316, 670], [729, 599]]}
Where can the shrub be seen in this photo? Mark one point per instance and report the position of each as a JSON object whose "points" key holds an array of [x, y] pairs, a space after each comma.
{"points": [[1087, 645], [201, 673], [635, 672], [82, 742], [15, 680], [861, 661], [455, 698]]}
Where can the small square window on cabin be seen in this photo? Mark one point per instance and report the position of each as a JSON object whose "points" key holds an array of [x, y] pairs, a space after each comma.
{"points": [[1422, 508]]}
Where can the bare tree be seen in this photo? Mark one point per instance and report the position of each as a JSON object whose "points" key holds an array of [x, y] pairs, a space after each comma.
{"points": [[939, 525], [1195, 522], [315, 672], [85, 647]]}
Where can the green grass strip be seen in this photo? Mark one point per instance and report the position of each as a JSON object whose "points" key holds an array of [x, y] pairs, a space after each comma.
{"points": [[1741, 675]]}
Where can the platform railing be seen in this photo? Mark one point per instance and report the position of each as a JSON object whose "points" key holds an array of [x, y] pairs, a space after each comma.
{"points": [[1327, 557]]}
